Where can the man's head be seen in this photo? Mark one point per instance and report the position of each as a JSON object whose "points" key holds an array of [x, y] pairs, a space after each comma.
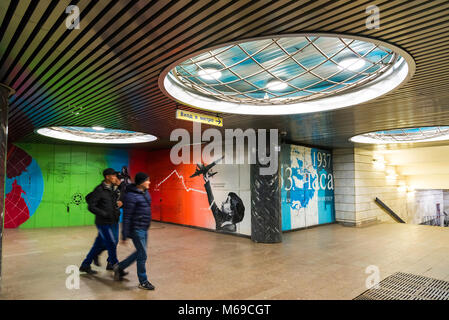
{"points": [[142, 180], [110, 176], [233, 208]]}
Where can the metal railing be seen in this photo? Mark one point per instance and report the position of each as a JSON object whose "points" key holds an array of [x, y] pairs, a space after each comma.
{"points": [[389, 211], [439, 220]]}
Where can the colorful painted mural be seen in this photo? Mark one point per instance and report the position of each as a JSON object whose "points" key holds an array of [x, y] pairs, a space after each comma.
{"points": [[46, 184], [182, 199], [307, 194], [24, 187]]}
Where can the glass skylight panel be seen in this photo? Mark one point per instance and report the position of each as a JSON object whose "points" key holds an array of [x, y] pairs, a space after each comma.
{"points": [[408, 135], [96, 135]]}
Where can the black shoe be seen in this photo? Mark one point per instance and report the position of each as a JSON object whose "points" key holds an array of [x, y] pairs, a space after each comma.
{"points": [[146, 286], [96, 262], [110, 267], [118, 273], [87, 269]]}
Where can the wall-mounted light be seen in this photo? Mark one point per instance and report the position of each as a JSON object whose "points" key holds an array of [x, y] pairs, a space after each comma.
{"points": [[391, 174], [379, 162]]}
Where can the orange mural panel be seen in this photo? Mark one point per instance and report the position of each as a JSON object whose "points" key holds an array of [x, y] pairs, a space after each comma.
{"points": [[176, 197]]}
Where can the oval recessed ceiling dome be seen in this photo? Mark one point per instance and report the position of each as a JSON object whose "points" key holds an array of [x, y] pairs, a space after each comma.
{"points": [[407, 135], [287, 74], [96, 135]]}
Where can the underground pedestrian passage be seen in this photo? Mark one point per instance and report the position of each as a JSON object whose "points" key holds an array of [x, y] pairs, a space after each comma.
{"points": [[248, 150]]}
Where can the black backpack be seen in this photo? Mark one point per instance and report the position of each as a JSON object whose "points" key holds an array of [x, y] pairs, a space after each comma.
{"points": [[88, 199]]}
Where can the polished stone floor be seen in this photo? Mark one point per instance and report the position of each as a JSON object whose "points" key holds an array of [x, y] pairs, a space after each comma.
{"points": [[326, 262]]}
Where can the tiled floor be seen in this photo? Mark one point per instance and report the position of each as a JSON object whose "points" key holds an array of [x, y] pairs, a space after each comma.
{"points": [[326, 262]]}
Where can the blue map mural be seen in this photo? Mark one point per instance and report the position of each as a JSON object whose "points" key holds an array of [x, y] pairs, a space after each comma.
{"points": [[307, 194]]}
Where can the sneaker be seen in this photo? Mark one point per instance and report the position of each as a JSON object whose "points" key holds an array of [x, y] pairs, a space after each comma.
{"points": [[87, 269], [118, 273], [110, 266], [146, 286], [96, 262]]}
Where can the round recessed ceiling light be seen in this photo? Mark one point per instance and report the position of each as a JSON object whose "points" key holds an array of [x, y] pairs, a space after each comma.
{"points": [[287, 74], [96, 135], [407, 135], [209, 74], [276, 85], [352, 64]]}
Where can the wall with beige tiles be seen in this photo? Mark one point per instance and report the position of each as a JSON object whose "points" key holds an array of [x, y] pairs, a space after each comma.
{"points": [[383, 182], [344, 188], [359, 179]]}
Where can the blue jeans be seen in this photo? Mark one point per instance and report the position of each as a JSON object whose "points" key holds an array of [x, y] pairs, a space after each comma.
{"points": [[139, 238], [105, 239], [115, 231]]}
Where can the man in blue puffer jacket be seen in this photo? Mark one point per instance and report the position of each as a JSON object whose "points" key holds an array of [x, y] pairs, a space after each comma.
{"points": [[136, 221]]}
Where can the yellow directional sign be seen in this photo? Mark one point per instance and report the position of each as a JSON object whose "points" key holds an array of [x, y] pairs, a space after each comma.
{"points": [[197, 117]]}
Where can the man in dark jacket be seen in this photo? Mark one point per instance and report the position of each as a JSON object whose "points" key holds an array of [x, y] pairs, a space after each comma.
{"points": [[124, 180], [104, 203], [136, 221]]}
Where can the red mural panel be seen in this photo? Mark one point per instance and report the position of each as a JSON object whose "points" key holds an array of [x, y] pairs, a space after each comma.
{"points": [[176, 198], [17, 211]]}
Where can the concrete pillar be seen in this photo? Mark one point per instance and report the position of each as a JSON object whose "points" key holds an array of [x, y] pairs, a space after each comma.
{"points": [[5, 92], [266, 197], [344, 186]]}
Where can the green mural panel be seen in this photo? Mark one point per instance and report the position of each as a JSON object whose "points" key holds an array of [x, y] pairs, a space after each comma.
{"points": [[61, 192], [44, 214], [69, 173], [78, 174], [44, 155]]}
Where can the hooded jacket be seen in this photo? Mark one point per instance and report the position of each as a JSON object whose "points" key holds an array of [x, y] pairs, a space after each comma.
{"points": [[136, 210]]}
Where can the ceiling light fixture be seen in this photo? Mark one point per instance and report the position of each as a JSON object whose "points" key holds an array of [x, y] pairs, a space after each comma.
{"points": [[97, 128], [305, 72], [209, 74], [405, 135], [91, 135], [276, 85], [352, 64]]}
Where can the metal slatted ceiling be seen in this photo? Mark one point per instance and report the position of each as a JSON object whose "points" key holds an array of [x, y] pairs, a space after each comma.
{"points": [[107, 71]]}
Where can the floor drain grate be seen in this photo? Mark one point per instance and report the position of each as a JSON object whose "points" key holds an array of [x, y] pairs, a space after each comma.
{"points": [[406, 286]]}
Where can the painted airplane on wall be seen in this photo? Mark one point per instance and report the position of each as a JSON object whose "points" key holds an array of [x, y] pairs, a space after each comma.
{"points": [[202, 169]]}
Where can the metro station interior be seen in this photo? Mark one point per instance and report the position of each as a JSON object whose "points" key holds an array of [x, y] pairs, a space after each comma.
{"points": [[295, 149]]}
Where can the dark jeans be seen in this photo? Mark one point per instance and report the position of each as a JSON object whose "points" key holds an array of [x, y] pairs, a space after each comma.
{"points": [[115, 231], [139, 238], [105, 239]]}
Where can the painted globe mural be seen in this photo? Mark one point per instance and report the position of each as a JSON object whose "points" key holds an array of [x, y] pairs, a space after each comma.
{"points": [[24, 187]]}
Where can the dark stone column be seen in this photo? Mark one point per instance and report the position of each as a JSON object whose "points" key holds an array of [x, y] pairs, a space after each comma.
{"points": [[266, 193], [5, 92]]}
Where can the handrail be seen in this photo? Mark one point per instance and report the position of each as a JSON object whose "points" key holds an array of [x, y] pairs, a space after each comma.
{"points": [[389, 211], [435, 220]]}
